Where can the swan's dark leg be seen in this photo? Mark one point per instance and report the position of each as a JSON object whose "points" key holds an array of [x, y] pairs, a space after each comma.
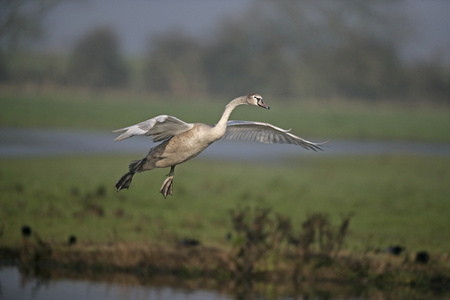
{"points": [[125, 181], [167, 186]]}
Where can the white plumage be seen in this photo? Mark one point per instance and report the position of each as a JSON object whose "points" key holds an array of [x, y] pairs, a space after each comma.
{"points": [[158, 128]]}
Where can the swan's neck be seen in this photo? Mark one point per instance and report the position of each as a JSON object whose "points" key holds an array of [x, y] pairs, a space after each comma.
{"points": [[221, 126]]}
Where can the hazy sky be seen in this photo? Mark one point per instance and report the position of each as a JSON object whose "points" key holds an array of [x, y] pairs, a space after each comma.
{"points": [[136, 20]]}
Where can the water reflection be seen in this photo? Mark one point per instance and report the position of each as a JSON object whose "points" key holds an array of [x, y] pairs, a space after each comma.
{"points": [[14, 285], [54, 284]]}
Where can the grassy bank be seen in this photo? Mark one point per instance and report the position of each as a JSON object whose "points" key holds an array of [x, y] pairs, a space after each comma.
{"points": [[395, 200], [329, 119]]}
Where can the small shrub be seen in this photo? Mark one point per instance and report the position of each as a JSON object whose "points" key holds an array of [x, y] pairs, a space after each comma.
{"points": [[318, 234], [260, 237]]}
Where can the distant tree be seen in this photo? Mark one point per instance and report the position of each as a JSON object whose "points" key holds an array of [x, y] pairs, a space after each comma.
{"points": [[20, 21], [319, 48], [430, 81], [174, 65], [347, 47], [244, 58], [96, 61], [20, 24], [315, 48], [4, 68]]}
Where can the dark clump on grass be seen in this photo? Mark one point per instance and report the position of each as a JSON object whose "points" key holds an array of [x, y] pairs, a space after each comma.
{"points": [[19, 188], [89, 203], [26, 231], [75, 191], [72, 240], [188, 242], [395, 250], [422, 257], [90, 209], [119, 213]]}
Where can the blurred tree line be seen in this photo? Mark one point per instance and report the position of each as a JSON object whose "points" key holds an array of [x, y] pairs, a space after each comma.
{"points": [[20, 23], [344, 49]]}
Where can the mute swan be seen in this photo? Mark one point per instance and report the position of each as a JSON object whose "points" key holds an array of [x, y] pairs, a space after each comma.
{"points": [[182, 141]]}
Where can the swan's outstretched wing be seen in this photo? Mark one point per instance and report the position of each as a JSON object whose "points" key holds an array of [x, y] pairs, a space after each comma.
{"points": [[265, 133], [158, 128]]}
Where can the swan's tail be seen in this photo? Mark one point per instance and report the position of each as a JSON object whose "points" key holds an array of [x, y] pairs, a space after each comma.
{"points": [[136, 164], [125, 181]]}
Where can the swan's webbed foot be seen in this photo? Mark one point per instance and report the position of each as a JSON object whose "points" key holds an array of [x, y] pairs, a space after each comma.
{"points": [[167, 186]]}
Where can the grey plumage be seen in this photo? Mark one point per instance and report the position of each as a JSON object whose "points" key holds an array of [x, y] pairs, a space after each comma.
{"points": [[265, 133], [182, 141]]}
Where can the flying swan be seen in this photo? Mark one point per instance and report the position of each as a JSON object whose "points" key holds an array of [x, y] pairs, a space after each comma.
{"points": [[182, 141]]}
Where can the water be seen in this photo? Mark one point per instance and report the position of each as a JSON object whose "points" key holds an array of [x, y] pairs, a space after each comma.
{"points": [[14, 285], [32, 142], [59, 284]]}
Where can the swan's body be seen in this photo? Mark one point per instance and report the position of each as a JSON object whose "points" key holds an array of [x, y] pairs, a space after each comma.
{"points": [[183, 141]]}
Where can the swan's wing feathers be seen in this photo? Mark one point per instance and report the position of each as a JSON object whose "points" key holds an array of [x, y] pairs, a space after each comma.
{"points": [[158, 128], [265, 133]]}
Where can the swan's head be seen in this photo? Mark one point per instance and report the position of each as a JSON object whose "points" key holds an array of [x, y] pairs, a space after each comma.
{"points": [[257, 100]]}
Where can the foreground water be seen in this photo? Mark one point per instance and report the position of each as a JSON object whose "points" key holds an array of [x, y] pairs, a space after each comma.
{"points": [[32, 142], [14, 285], [20, 285]]}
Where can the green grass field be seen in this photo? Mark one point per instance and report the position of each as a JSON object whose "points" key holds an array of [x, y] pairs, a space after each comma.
{"points": [[396, 200]]}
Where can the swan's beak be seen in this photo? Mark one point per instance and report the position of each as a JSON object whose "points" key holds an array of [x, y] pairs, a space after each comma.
{"points": [[262, 104]]}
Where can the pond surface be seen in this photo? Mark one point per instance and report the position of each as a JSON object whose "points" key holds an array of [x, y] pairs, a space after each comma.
{"points": [[14, 285], [32, 142], [20, 285], [54, 284]]}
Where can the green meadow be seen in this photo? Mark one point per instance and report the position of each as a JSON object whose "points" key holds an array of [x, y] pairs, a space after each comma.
{"points": [[395, 199]]}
